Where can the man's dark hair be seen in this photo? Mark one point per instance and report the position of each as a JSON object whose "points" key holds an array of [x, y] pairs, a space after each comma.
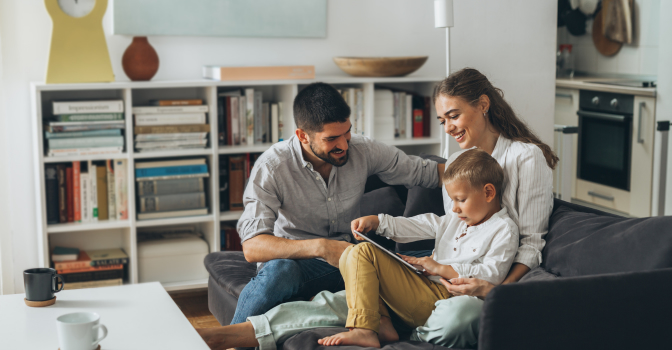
{"points": [[319, 104]]}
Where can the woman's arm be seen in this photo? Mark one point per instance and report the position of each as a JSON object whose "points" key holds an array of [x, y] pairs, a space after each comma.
{"points": [[516, 273]]}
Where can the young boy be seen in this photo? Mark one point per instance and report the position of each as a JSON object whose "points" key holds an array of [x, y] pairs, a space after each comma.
{"points": [[478, 239]]}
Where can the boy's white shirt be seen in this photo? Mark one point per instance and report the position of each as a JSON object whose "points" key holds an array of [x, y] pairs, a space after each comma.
{"points": [[486, 251]]}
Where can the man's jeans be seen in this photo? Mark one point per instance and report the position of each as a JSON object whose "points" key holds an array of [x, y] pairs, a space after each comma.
{"points": [[280, 280]]}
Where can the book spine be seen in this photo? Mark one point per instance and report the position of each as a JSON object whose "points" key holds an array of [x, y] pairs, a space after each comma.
{"points": [[169, 119], [163, 187], [236, 182], [104, 262], [88, 107], [232, 119], [226, 120], [69, 183], [94, 284], [221, 119], [280, 123], [72, 265], [258, 119], [409, 116], [170, 202], [92, 276], [242, 119], [168, 129], [171, 137], [87, 142], [170, 109], [89, 117], [92, 268], [83, 151], [274, 123], [51, 189], [249, 115], [186, 102], [171, 170], [121, 188], [76, 190], [266, 116], [111, 193], [101, 186], [395, 114], [82, 127], [93, 191], [224, 183], [417, 122], [84, 196], [62, 193], [173, 143], [402, 115], [173, 177], [73, 134]]}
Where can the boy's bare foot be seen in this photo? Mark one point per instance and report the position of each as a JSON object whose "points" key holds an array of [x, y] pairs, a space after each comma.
{"points": [[356, 336], [387, 333]]}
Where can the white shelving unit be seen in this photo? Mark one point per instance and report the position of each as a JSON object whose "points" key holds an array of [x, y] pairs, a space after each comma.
{"points": [[123, 234]]}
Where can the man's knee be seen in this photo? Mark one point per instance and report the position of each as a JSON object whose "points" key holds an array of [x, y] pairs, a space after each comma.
{"points": [[280, 273]]}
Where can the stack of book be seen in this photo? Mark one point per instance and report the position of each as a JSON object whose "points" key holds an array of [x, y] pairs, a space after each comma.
{"points": [[95, 268], [85, 128], [171, 188], [230, 239], [171, 125], [234, 171], [244, 119], [355, 100], [401, 115], [86, 191]]}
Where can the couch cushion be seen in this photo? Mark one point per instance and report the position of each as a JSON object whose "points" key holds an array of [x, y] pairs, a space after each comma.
{"points": [[589, 242], [307, 340], [537, 274], [230, 270]]}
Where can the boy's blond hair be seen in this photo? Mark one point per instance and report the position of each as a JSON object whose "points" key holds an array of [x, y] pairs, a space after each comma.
{"points": [[477, 168]]}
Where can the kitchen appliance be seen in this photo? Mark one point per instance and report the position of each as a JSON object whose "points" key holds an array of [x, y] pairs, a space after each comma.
{"points": [[605, 138]]}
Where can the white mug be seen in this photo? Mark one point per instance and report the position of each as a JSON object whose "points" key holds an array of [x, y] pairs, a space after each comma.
{"points": [[79, 331]]}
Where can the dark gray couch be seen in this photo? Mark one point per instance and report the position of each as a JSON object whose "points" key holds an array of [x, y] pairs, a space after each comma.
{"points": [[605, 282]]}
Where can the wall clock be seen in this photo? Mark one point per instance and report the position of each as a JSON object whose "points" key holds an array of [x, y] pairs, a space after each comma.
{"points": [[78, 52]]}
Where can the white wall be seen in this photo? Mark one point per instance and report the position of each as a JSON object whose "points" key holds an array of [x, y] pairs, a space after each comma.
{"points": [[640, 57], [513, 43], [664, 91]]}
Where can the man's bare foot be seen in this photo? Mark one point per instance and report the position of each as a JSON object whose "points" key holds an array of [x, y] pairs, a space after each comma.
{"points": [[356, 336], [387, 333]]}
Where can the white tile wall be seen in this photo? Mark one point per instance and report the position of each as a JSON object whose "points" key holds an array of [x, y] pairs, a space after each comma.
{"points": [[640, 57]]}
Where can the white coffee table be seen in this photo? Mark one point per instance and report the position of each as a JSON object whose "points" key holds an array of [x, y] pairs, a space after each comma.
{"points": [[140, 316]]}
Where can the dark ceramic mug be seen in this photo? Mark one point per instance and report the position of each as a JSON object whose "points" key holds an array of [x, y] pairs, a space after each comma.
{"points": [[41, 284]]}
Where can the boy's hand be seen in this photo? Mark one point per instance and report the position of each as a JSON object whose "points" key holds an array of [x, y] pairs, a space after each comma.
{"points": [[432, 268], [364, 225]]}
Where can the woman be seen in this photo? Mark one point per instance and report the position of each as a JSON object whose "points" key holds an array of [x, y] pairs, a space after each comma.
{"points": [[475, 113]]}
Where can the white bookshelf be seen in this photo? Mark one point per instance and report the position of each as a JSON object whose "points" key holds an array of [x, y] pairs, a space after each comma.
{"points": [[123, 234]]}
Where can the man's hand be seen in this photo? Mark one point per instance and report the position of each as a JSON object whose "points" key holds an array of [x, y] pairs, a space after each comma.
{"points": [[331, 250], [468, 286], [364, 225]]}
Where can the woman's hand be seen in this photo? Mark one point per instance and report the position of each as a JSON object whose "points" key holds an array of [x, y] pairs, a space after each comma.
{"points": [[364, 225], [431, 267], [468, 286]]}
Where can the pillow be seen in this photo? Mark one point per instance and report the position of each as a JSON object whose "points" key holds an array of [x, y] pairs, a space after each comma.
{"points": [[587, 243]]}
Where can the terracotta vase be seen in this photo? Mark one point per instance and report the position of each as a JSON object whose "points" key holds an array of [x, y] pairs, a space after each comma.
{"points": [[140, 61]]}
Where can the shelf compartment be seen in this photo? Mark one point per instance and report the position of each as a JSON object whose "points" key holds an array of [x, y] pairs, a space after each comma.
{"points": [[186, 285], [85, 158], [412, 142], [87, 226], [230, 215], [174, 221], [174, 153], [244, 149]]}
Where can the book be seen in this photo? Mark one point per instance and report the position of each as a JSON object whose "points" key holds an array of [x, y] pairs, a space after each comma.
{"points": [[395, 113], [101, 188], [185, 102], [172, 136], [88, 123], [121, 188], [230, 239], [51, 192], [168, 129], [112, 256], [402, 115], [94, 284], [64, 254], [266, 118], [172, 214], [258, 73], [111, 193], [242, 119], [170, 171], [92, 276], [222, 128], [258, 118], [167, 163], [236, 182], [86, 142], [171, 143], [87, 107], [92, 268], [84, 186], [280, 123], [169, 119], [70, 201], [90, 133], [171, 202], [76, 190], [93, 191], [89, 117], [62, 193], [359, 101], [409, 116], [66, 152], [82, 261], [275, 135], [77, 126], [417, 123], [249, 115], [170, 109], [174, 186], [223, 183], [233, 120], [174, 177]]}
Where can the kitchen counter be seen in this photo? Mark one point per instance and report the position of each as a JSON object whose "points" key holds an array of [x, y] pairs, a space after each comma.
{"points": [[589, 83]]}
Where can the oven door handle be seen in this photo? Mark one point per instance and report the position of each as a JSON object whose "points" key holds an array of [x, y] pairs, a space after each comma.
{"points": [[612, 117], [640, 139], [601, 196]]}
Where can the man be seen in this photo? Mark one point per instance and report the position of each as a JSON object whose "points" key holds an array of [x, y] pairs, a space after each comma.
{"points": [[302, 195]]}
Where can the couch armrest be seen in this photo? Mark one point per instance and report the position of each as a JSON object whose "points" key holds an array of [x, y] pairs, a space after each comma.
{"points": [[615, 311]]}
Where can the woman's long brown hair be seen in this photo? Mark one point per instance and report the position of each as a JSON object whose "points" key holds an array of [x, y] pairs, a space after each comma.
{"points": [[470, 84]]}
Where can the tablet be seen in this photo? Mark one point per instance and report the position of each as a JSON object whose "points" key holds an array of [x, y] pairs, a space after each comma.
{"points": [[392, 254]]}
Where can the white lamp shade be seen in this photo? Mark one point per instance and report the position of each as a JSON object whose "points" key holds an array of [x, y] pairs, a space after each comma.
{"points": [[443, 13]]}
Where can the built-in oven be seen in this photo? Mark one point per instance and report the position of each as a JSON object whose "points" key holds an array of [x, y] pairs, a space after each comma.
{"points": [[605, 138]]}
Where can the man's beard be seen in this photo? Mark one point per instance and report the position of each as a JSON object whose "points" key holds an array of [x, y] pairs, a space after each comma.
{"points": [[339, 162]]}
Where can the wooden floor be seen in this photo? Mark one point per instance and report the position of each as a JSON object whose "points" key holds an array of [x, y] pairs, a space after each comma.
{"points": [[194, 305]]}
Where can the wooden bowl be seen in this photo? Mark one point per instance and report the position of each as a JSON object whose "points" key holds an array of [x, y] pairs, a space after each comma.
{"points": [[380, 66]]}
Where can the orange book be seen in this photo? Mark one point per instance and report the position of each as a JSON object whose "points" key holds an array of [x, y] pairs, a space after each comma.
{"points": [[92, 268], [83, 261], [192, 102], [259, 73]]}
